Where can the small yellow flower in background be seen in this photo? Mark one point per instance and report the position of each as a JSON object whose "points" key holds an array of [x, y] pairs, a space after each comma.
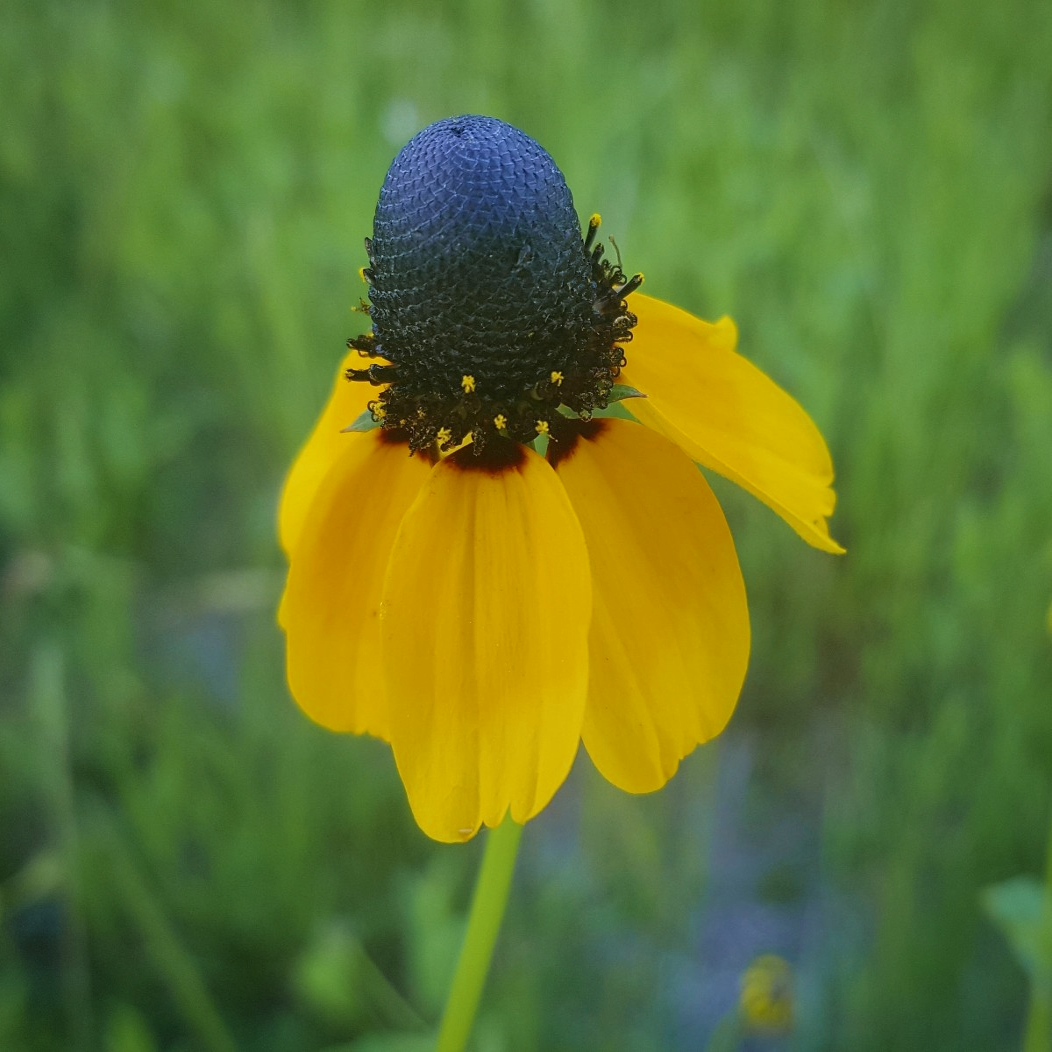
{"points": [[766, 1001], [486, 610]]}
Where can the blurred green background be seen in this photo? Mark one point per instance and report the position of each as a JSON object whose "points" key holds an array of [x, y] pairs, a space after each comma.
{"points": [[186, 863]]}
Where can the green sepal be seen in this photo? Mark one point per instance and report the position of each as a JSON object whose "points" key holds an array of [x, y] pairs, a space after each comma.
{"points": [[619, 392], [362, 422]]}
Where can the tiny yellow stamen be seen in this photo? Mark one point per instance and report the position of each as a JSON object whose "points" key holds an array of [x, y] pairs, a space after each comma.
{"points": [[500, 421], [443, 436], [468, 383], [542, 427], [557, 378], [595, 220], [361, 274]]}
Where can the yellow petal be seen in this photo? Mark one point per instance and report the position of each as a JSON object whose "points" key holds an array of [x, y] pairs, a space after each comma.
{"points": [[730, 416], [670, 627], [484, 642], [346, 403], [330, 610]]}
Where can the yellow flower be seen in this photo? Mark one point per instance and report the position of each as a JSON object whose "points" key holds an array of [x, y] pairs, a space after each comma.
{"points": [[484, 611], [766, 1000]]}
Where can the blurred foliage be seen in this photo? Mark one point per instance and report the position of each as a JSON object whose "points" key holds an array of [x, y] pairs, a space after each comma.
{"points": [[185, 862], [1022, 908]]}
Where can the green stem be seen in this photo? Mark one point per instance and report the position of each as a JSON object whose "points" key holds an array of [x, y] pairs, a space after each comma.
{"points": [[1038, 1034], [49, 688], [487, 912]]}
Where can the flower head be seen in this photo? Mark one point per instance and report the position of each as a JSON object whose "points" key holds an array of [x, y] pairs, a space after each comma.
{"points": [[485, 607], [484, 305], [766, 999]]}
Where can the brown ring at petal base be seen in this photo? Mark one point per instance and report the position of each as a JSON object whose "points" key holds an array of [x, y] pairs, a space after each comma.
{"points": [[564, 440], [493, 458]]}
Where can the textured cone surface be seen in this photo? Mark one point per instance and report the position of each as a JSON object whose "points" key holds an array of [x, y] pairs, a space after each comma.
{"points": [[476, 259]]}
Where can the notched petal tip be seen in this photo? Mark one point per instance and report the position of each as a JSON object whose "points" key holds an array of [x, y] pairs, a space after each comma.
{"points": [[490, 567], [730, 416]]}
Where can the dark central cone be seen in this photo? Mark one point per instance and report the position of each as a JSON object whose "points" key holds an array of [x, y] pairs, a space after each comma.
{"points": [[494, 315], [477, 266]]}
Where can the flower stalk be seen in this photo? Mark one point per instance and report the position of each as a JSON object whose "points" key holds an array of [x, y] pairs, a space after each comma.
{"points": [[1038, 1035], [484, 921]]}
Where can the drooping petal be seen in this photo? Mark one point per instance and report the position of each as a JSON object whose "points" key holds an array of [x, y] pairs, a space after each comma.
{"points": [[730, 416], [670, 627], [485, 642], [331, 607], [346, 403]]}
